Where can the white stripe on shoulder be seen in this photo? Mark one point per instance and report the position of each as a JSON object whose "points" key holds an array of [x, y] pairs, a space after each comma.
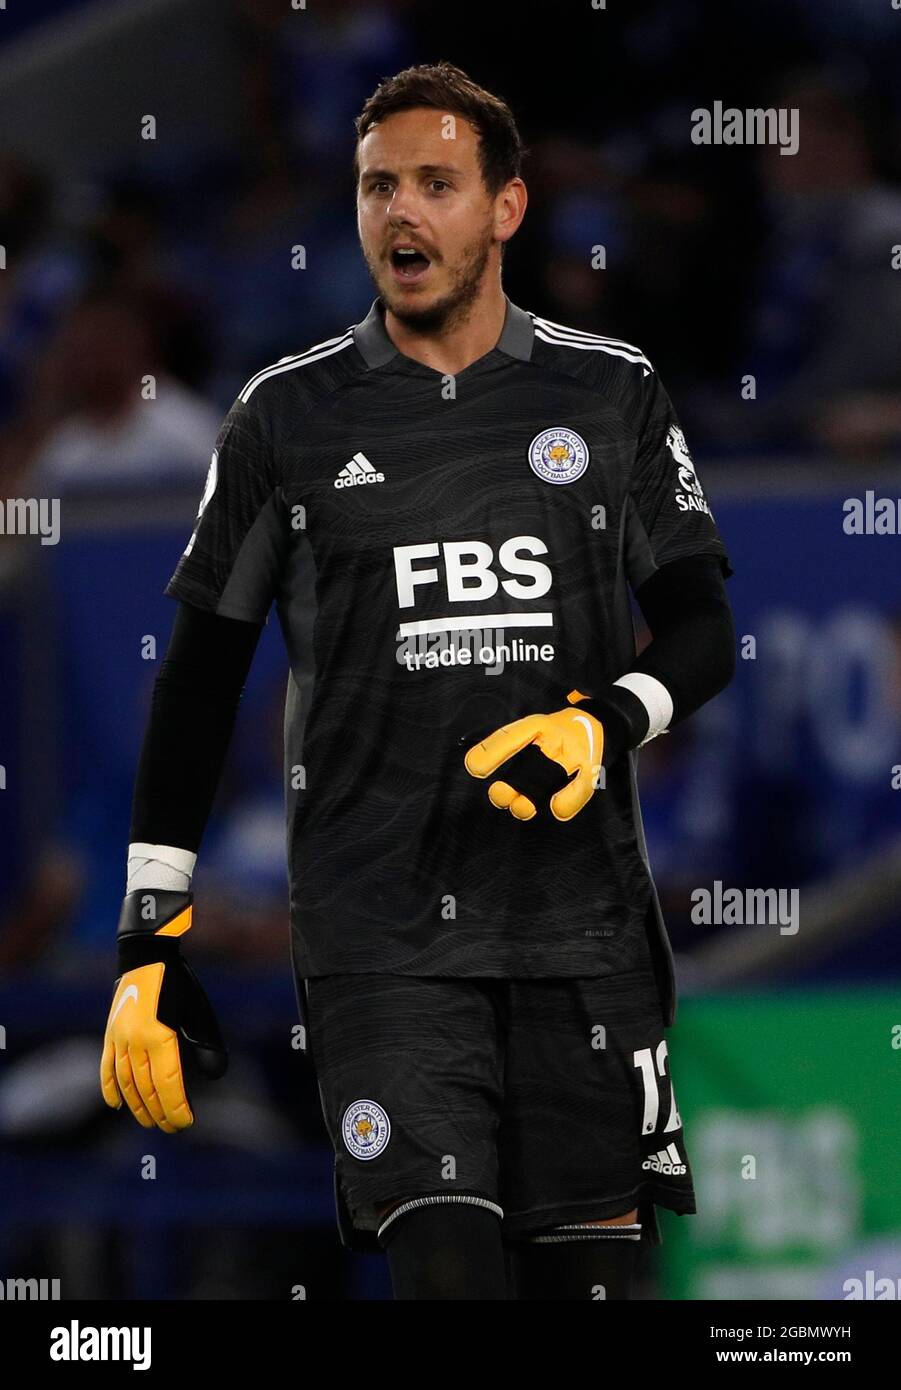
{"points": [[572, 337], [595, 347], [565, 330], [300, 359]]}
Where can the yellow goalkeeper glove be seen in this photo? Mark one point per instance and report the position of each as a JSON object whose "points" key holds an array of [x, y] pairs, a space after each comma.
{"points": [[162, 1031], [555, 755]]}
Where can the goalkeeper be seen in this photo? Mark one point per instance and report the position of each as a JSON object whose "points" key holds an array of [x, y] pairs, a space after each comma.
{"points": [[481, 961]]}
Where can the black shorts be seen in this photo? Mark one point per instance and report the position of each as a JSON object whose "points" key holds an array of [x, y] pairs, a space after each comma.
{"points": [[550, 1099]]}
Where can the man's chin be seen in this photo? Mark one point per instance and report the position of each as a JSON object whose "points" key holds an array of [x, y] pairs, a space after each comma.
{"points": [[424, 313]]}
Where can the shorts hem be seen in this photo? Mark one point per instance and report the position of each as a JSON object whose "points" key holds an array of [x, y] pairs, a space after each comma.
{"points": [[365, 1219], [520, 1224]]}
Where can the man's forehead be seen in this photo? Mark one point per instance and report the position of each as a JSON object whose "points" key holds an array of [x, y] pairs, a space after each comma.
{"points": [[420, 138]]}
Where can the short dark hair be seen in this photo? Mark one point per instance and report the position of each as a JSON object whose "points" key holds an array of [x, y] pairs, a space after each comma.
{"points": [[447, 88]]}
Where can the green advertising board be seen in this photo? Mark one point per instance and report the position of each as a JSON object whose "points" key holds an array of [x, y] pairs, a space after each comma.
{"points": [[791, 1104]]}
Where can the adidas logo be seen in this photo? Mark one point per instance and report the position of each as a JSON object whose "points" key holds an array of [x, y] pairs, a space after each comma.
{"points": [[359, 470], [665, 1161]]}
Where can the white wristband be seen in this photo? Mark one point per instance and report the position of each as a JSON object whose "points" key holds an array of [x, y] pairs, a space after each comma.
{"points": [[159, 866], [656, 699]]}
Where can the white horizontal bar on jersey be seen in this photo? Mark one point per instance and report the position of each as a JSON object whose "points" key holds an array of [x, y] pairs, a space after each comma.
{"points": [[476, 622], [301, 359]]}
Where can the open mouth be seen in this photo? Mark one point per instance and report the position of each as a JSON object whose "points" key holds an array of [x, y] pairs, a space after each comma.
{"points": [[409, 264]]}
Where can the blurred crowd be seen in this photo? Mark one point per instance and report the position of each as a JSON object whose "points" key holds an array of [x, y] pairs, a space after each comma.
{"points": [[724, 262]]}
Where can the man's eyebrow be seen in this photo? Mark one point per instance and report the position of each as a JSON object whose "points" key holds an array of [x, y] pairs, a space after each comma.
{"points": [[421, 169]]}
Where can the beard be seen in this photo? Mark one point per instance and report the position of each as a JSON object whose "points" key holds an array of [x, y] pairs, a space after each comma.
{"points": [[453, 307]]}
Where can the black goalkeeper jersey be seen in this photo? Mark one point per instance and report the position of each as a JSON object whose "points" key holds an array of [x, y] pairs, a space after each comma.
{"points": [[448, 554]]}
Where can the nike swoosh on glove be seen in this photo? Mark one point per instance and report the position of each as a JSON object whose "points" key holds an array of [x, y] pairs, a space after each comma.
{"points": [[555, 755], [162, 1031]]}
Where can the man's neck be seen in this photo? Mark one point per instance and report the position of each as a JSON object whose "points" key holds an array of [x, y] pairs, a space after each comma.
{"points": [[453, 350]]}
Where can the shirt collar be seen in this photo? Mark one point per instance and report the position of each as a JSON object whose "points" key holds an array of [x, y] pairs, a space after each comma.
{"points": [[372, 340]]}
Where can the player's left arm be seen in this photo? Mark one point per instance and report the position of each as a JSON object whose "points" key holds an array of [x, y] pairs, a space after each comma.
{"points": [[676, 563], [689, 660]]}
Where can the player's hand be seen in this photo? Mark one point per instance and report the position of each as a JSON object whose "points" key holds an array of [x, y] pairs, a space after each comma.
{"points": [[556, 756], [162, 1031]]}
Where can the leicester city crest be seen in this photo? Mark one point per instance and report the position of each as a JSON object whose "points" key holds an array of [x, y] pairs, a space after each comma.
{"points": [[558, 455], [366, 1129]]}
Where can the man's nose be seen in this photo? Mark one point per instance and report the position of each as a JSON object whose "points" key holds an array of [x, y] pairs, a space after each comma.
{"points": [[402, 207]]}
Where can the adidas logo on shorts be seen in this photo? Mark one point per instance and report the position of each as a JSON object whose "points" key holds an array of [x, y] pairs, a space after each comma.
{"points": [[358, 471], [665, 1161]]}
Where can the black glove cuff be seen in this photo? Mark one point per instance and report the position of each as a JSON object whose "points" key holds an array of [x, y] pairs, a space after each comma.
{"points": [[141, 949], [624, 718], [150, 909], [145, 912]]}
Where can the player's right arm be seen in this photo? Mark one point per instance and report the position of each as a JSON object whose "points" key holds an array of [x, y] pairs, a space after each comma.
{"points": [[161, 1025], [162, 1030]]}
